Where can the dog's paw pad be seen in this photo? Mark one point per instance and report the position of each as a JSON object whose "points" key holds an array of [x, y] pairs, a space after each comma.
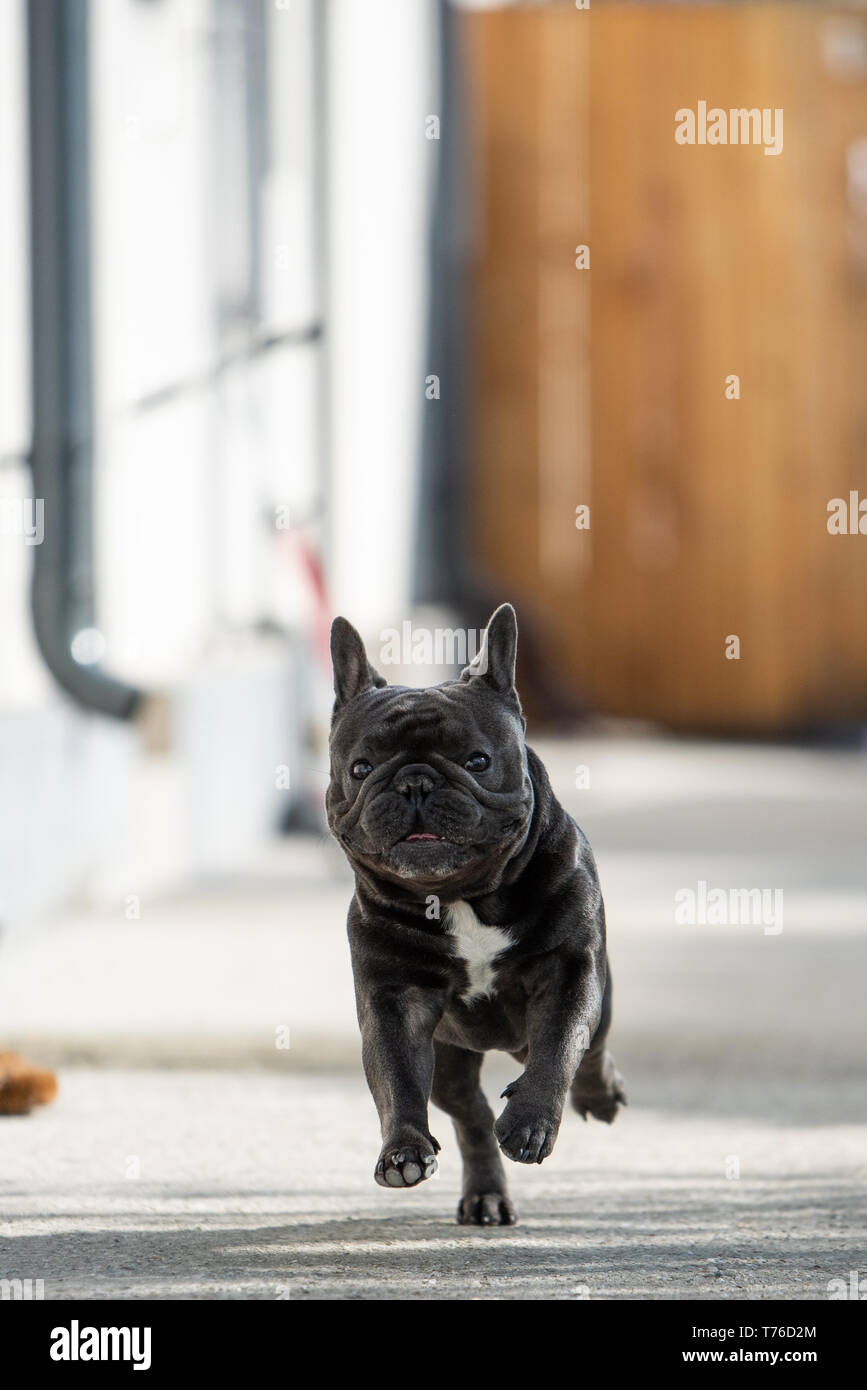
{"points": [[404, 1167], [486, 1209]]}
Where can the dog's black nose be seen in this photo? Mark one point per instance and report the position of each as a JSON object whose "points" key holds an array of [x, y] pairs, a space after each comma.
{"points": [[416, 782]]}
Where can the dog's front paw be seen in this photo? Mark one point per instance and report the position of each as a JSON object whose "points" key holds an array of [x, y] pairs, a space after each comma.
{"points": [[406, 1164], [525, 1132]]}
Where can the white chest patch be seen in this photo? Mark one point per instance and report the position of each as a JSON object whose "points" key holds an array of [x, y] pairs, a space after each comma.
{"points": [[478, 946]]}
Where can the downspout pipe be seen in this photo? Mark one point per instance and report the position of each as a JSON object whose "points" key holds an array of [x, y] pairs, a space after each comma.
{"points": [[62, 591]]}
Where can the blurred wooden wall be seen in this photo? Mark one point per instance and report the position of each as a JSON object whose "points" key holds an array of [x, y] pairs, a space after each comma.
{"points": [[606, 386]]}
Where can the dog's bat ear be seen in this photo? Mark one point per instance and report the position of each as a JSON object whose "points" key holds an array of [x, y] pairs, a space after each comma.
{"points": [[353, 672], [495, 660]]}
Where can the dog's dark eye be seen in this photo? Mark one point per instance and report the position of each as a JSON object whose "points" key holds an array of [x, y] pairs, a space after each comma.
{"points": [[477, 762], [361, 769]]}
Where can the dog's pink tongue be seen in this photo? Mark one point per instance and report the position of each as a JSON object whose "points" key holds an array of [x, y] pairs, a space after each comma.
{"points": [[422, 835]]}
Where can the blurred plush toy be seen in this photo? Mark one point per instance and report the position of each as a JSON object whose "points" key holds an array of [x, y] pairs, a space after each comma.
{"points": [[22, 1085]]}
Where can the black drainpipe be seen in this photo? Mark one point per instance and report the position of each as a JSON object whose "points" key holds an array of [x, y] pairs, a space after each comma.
{"points": [[62, 593]]}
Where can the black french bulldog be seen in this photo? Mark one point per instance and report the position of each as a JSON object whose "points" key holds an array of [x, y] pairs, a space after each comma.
{"points": [[477, 920]]}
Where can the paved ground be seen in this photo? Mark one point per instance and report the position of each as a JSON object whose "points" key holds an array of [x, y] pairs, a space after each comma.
{"points": [[243, 1169], [253, 1185]]}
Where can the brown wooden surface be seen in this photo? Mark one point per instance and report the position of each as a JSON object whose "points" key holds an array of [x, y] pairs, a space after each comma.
{"points": [[606, 386]]}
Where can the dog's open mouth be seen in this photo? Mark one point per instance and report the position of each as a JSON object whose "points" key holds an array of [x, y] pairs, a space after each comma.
{"points": [[420, 835]]}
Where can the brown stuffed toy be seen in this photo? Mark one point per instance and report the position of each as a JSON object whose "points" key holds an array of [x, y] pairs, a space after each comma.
{"points": [[22, 1085]]}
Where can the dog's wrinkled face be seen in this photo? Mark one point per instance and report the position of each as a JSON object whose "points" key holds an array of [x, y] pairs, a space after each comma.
{"points": [[429, 788]]}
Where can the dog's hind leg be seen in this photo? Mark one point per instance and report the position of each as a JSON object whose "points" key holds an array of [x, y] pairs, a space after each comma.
{"points": [[457, 1091], [597, 1088]]}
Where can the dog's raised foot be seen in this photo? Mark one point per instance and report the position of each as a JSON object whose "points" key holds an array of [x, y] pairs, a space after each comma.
{"points": [[603, 1104], [486, 1209], [524, 1136], [405, 1165]]}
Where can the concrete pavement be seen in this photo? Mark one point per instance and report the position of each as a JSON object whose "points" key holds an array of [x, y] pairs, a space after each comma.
{"points": [[256, 1185], [192, 1154]]}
